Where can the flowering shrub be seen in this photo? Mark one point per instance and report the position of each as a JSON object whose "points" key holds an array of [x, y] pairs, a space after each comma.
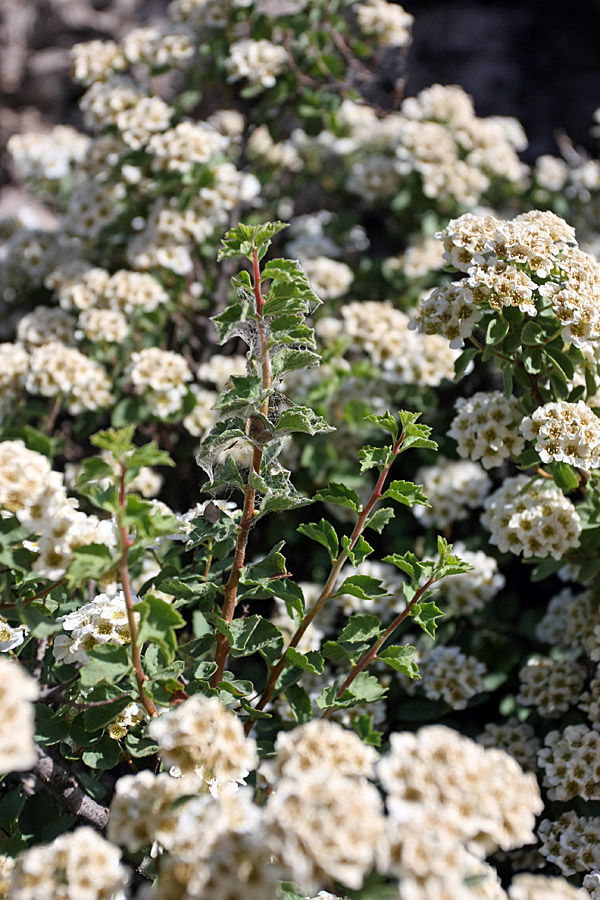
{"points": [[243, 658]]}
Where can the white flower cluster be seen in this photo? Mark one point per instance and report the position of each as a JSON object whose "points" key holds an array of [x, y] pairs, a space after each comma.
{"points": [[572, 622], [36, 495], [202, 416], [58, 370], [259, 62], [329, 278], [403, 356], [565, 432], [133, 714], [571, 763], [550, 685], [445, 791], [502, 258], [389, 23], [468, 593], [485, 428], [422, 256], [531, 518], [96, 61], [82, 287], [320, 743], [452, 488], [49, 156], [157, 48], [177, 149], [43, 325], [161, 376], [101, 621], [144, 809], [450, 310], [76, 865], [516, 738], [436, 134], [540, 887], [14, 361], [571, 842], [17, 693], [450, 675], [282, 154], [201, 736]]}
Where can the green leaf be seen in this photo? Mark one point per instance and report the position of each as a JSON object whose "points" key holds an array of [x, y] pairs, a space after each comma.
{"points": [[360, 628], [302, 419], [366, 688], [107, 663], [50, 727], [300, 705], [380, 518], [533, 333], [158, 621], [374, 457], [496, 331], [364, 587], [89, 564], [533, 360], [334, 651], [118, 441], [255, 634], [425, 615], [247, 392], [363, 726], [290, 360], [560, 361], [417, 435], [359, 553], [463, 362], [98, 717], [241, 240], [220, 625], [309, 662], [387, 422], [104, 754], [407, 493], [40, 625], [339, 494], [324, 533], [140, 746], [528, 459], [565, 476], [401, 659]]}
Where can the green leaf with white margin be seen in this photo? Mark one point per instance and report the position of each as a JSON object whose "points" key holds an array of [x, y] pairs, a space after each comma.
{"points": [[309, 662], [363, 587], [387, 422], [246, 392], [339, 494], [359, 552], [243, 239], [401, 658], [302, 419], [374, 457], [380, 518], [425, 615], [324, 533], [290, 360], [361, 627], [254, 634], [406, 493]]}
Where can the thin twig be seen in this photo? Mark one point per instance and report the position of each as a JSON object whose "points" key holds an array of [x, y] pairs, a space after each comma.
{"points": [[231, 589], [66, 790]]}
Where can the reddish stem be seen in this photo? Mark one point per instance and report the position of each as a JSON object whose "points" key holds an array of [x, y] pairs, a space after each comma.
{"points": [[370, 655], [330, 583], [231, 589]]}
